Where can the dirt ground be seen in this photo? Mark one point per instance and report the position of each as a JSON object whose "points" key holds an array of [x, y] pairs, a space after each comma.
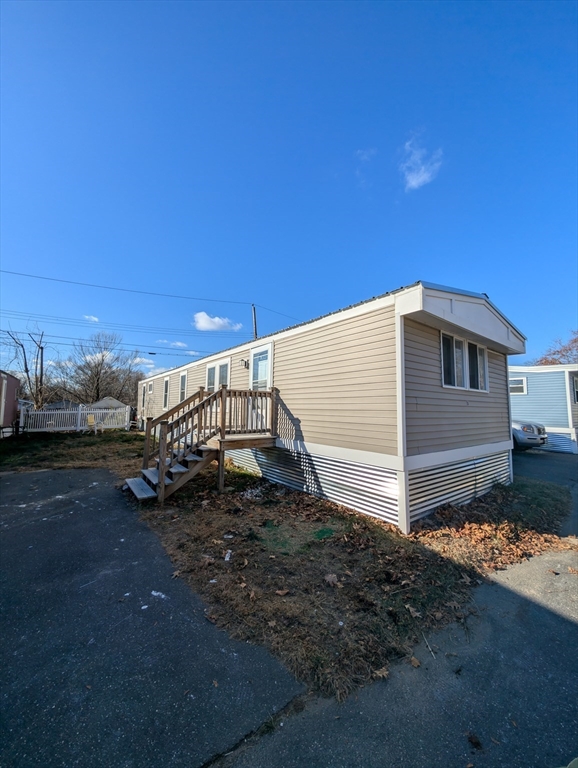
{"points": [[335, 595]]}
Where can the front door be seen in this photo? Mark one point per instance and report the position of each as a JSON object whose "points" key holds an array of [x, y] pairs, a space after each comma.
{"points": [[260, 367]]}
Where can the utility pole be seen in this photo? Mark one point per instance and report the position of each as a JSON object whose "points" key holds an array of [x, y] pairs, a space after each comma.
{"points": [[254, 321]]}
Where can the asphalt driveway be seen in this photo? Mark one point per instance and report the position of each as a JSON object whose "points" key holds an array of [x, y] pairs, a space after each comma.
{"points": [[106, 659], [497, 693]]}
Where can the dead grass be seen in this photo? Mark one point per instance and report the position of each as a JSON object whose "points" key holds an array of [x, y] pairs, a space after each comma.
{"points": [[334, 594], [511, 524], [119, 451]]}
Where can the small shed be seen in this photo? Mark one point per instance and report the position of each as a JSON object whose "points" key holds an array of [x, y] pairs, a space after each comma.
{"points": [[547, 394], [9, 388], [108, 402]]}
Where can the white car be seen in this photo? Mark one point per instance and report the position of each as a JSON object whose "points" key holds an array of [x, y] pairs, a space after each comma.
{"points": [[526, 434]]}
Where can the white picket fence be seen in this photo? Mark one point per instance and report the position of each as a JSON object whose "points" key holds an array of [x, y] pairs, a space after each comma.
{"points": [[76, 420]]}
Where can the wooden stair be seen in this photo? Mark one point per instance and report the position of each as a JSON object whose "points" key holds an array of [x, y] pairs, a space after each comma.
{"points": [[187, 438], [190, 464]]}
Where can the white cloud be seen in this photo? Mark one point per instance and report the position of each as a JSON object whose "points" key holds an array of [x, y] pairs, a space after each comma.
{"points": [[179, 344], [155, 371], [98, 357], [204, 322], [416, 167], [147, 362], [192, 353], [91, 318], [163, 341]]}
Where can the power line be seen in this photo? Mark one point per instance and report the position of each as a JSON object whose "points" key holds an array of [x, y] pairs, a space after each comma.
{"points": [[144, 293], [122, 345], [59, 320]]}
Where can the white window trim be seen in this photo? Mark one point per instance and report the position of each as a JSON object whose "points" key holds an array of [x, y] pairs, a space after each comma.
{"points": [[254, 351], [466, 364], [215, 364], [166, 392], [524, 380], [151, 385]]}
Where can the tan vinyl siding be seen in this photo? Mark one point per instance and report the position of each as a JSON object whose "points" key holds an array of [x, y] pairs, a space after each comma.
{"points": [[337, 384], [154, 399], [440, 418], [195, 379]]}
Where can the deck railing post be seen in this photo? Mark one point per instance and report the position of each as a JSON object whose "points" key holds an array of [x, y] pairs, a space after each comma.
{"points": [[145, 458], [162, 461], [274, 406], [223, 424]]}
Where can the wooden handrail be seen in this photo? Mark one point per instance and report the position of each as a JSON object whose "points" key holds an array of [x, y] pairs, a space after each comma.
{"points": [[222, 412], [183, 404]]}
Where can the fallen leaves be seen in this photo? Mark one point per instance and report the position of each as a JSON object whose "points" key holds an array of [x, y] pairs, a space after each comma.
{"points": [[381, 674], [573, 570], [336, 609], [414, 614]]}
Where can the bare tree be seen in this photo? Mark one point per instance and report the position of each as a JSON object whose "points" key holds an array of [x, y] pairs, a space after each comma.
{"points": [[99, 368], [29, 359], [560, 353]]}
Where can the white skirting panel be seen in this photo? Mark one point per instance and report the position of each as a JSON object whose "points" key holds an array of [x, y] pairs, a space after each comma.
{"points": [[561, 442], [455, 483], [365, 488]]}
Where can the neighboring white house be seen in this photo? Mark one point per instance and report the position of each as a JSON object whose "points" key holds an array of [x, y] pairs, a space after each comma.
{"points": [[392, 407], [547, 394]]}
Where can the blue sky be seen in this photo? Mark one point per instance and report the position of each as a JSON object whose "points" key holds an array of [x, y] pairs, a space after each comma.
{"points": [[301, 156]]}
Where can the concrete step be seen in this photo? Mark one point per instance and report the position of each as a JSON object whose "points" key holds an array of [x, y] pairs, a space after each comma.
{"points": [[140, 489]]}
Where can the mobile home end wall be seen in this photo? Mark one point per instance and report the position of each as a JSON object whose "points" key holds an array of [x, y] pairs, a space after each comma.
{"points": [[440, 418]]}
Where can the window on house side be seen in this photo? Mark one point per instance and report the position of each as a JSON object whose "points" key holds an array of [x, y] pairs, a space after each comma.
{"points": [[211, 379], [183, 389], [224, 374], [151, 387], [166, 395], [449, 367], [518, 386], [464, 364], [144, 392], [575, 380]]}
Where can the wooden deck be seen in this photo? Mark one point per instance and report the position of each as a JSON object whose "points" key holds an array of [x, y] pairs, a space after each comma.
{"points": [[187, 438], [229, 442]]}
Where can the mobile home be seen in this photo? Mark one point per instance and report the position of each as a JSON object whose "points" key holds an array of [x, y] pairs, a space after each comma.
{"points": [[547, 394], [392, 407]]}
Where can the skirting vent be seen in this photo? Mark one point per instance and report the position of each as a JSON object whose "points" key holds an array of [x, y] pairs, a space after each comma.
{"points": [[365, 488], [455, 483]]}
